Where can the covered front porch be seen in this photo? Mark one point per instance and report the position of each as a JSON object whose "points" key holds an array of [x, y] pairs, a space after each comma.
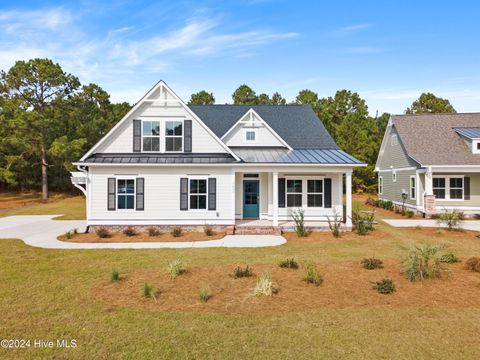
{"points": [[268, 198]]}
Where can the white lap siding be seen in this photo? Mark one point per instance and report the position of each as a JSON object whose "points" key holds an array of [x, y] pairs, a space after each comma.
{"points": [[162, 196]]}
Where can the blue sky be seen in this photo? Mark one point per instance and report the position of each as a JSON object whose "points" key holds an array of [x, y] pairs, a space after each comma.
{"points": [[387, 51]]}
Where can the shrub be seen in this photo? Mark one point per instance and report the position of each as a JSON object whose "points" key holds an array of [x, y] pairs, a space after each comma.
{"points": [[176, 268], [449, 258], [176, 231], [153, 231], [384, 286], [264, 285], [435, 216], [103, 233], [289, 263], [372, 263], [363, 222], [311, 274], [149, 292], [410, 213], [335, 225], [240, 272], [452, 219], [115, 275], [130, 231], [204, 295], [299, 220], [75, 231], [423, 262], [473, 264], [208, 230], [68, 235]]}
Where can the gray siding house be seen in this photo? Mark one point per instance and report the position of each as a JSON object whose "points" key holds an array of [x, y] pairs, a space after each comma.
{"points": [[432, 162]]}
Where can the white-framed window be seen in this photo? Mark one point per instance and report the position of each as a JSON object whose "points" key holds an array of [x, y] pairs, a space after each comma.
{"points": [[449, 187], [294, 192], [380, 185], [413, 187], [456, 188], [250, 135], [125, 194], [197, 194], [150, 135], [173, 136], [315, 193], [394, 176], [394, 140], [476, 146], [439, 187]]}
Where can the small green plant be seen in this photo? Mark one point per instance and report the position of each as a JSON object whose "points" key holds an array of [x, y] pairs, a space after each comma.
{"points": [[208, 230], [176, 231], [176, 268], [410, 214], [68, 235], [335, 225], [153, 231], [204, 295], [149, 292], [115, 275], [452, 219], [299, 220], [264, 285], [384, 286], [423, 262], [102, 232], [288, 263], [473, 264], [129, 231], [240, 272], [449, 258], [372, 263], [311, 274], [363, 221]]}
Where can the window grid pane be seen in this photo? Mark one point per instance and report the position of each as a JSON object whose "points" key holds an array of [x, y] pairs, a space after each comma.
{"points": [[151, 136], [315, 193], [198, 194]]}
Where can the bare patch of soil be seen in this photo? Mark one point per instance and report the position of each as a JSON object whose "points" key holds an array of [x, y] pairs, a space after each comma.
{"points": [[346, 285], [141, 237]]}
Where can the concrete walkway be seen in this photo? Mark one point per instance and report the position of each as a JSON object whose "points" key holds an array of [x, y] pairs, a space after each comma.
{"points": [[467, 224], [41, 231]]}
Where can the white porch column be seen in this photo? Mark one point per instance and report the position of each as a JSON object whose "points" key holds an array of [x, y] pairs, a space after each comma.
{"points": [[348, 197], [270, 196], [429, 182], [275, 198]]}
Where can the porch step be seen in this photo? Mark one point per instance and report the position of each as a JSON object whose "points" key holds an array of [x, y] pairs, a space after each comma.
{"points": [[257, 230]]}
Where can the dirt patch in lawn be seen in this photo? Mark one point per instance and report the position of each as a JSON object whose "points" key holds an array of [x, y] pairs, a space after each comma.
{"points": [[345, 285], [141, 237], [326, 235]]}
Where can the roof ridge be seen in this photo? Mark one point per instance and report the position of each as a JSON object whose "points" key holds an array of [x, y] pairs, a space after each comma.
{"points": [[444, 113]]}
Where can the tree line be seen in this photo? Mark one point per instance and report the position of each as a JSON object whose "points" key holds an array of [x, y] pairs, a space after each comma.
{"points": [[48, 119]]}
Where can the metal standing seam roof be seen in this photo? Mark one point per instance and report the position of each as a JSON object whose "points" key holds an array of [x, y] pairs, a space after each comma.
{"points": [[160, 159], [470, 133], [297, 156]]}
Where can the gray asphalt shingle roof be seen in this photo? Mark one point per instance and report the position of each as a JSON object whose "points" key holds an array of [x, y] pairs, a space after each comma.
{"points": [[431, 139], [296, 124]]}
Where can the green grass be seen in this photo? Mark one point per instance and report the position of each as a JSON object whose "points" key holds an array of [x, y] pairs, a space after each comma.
{"points": [[46, 294]]}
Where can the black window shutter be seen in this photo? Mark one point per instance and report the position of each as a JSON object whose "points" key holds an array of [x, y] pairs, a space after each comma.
{"points": [[140, 205], [137, 135], [187, 136], [212, 194], [183, 193], [327, 191], [466, 188], [281, 192], [111, 194]]}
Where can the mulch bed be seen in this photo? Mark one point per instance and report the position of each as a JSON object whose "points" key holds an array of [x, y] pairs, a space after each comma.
{"points": [[346, 285], [141, 237]]}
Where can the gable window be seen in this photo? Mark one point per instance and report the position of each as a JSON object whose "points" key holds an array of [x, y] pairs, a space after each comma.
{"points": [[394, 176], [439, 188], [151, 136], [294, 193], [315, 193], [394, 140], [456, 188], [380, 185], [173, 136], [413, 187], [126, 193], [198, 194], [250, 135]]}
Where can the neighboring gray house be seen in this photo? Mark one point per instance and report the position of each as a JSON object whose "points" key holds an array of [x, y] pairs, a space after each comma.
{"points": [[434, 159]]}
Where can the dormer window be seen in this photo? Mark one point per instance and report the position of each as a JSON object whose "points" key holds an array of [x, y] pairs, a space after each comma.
{"points": [[250, 135], [394, 140], [476, 146], [151, 136], [173, 136]]}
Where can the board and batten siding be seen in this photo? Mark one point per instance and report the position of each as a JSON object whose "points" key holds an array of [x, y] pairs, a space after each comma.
{"points": [[121, 141], [394, 155], [162, 196], [393, 190], [474, 192]]}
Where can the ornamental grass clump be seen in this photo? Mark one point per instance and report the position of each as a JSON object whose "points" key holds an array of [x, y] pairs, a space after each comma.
{"points": [[264, 285], [240, 272], [153, 231], [372, 263], [176, 231], [335, 225], [423, 262], [103, 233], [363, 222], [449, 258], [130, 231], [204, 295], [176, 268], [149, 292], [311, 275], [115, 275], [384, 286], [299, 220], [208, 230], [68, 235], [288, 263]]}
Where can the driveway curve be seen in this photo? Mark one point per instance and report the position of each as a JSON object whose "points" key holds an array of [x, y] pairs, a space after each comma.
{"points": [[42, 231]]}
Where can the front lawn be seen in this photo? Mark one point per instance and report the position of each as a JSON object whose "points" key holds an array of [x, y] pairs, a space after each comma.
{"points": [[68, 294]]}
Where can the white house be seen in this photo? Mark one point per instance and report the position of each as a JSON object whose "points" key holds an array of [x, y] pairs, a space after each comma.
{"points": [[237, 167]]}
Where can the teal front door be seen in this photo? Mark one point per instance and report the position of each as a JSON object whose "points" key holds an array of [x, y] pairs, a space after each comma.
{"points": [[250, 199]]}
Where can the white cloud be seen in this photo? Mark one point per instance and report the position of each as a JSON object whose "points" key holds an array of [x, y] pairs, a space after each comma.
{"points": [[347, 30]]}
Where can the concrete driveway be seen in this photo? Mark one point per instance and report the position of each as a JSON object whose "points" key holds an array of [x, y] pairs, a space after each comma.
{"points": [[467, 224], [41, 231]]}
